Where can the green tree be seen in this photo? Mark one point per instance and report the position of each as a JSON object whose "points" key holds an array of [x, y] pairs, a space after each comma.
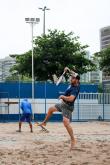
{"points": [[52, 52], [103, 57]]}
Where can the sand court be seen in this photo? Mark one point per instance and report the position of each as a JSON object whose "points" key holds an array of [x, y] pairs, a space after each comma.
{"points": [[40, 148]]}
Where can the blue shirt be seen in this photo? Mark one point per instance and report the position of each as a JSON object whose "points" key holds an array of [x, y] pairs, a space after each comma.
{"points": [[26, 107], [72, 90]]}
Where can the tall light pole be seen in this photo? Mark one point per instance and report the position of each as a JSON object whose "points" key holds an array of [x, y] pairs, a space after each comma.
{"points": [[44, 9], [32, 21]]}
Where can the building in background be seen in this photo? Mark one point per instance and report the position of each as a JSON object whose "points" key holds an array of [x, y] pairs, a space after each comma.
{"points": [[91, 77], [104, 37], [104, 43], [86, 76], [96, 76], [5, 65]]}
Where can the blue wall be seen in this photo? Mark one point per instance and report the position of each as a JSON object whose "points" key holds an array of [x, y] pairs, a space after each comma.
{"points": [[37, 117], [42, 90]]}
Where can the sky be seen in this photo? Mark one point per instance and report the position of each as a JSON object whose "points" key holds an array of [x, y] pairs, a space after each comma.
{"points": [[83, 17]]}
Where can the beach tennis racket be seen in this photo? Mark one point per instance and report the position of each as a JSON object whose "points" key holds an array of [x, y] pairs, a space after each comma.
{"points": [[60, 79]]}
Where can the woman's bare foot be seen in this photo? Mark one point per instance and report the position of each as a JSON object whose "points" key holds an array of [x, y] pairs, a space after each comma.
{"points": [[73, 142]]}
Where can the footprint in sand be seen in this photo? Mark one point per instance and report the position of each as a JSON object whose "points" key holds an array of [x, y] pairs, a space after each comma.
{"points": [[104, 151], [85, 163], [38, 143], [73, 164], [65, 145], [78, 149], [89, 152], [70, 156], [1, 154], [9, 153]]}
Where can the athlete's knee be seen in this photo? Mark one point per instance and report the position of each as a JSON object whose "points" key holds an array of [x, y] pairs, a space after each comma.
{"points": [[66, 121], [52, 109]]}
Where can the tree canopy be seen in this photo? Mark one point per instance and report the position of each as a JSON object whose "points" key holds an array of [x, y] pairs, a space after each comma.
{"points": [[52, 52], [103, 57]]}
